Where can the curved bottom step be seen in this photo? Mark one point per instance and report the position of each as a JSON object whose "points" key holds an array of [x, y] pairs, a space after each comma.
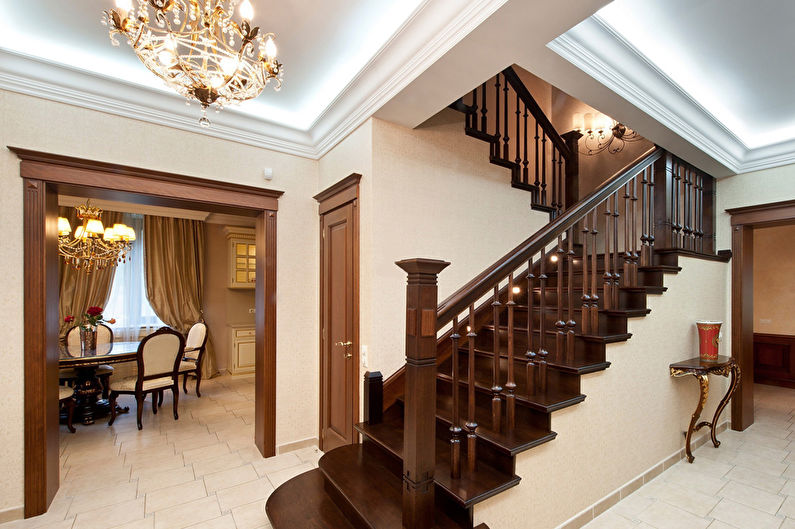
{"points": [[302, 503]]}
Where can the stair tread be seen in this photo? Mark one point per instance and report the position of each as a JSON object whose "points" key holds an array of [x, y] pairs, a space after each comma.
{"points": [[581, 367], [316, 510], [578, 366], [361, 474], [471, 488], [605, 338]]}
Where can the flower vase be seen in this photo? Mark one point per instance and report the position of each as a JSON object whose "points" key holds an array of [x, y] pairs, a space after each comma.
{"points": [[88, 339]]}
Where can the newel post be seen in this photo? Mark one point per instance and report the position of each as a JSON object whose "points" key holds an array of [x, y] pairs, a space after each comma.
{"points": [[664, 202], [419, 426], [572, 139]]}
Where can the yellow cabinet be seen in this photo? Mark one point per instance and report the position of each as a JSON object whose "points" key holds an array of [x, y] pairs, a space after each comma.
{"points": [[242, 257], [243, 349]]}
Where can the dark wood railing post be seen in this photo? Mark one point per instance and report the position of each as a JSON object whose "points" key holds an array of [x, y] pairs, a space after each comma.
{"points": [[572, 139], [419, 431], [708, 209], [373, 397], [663, 202]]}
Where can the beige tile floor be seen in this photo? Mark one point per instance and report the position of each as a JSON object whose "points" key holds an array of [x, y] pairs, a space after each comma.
{"points": [[746, 483], [202, 471]]}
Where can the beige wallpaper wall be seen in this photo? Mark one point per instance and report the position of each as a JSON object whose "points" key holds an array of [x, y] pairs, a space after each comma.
{"points": [[774, 280], [633, 416], [41, 125]]}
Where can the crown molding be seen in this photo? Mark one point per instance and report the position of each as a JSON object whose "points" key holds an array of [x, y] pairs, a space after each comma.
{"points": [[600, 51], [433, 29]]}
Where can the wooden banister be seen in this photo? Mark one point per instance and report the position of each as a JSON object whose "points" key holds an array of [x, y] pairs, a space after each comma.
{"points": [[486, 280]]}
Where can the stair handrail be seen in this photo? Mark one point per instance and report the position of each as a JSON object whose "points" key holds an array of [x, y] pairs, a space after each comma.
{"points": [[516, 83], [472, 291]]}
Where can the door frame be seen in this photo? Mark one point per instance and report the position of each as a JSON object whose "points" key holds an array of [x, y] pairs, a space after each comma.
{"points": [[344, 192], [44, 176], [743, 222]]}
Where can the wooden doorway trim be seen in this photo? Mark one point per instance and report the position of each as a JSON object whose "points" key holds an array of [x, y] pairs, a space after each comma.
{"points": [[743, 222], [343, 193], [44, 177]]}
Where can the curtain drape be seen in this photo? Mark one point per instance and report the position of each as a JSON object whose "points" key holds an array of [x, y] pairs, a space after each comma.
{"points": [[79, 290], [174, 272]]}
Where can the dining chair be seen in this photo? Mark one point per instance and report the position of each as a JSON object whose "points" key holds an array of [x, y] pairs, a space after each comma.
{"points": [[103, 371], [66, 396], [191, 364], [158, 358]]}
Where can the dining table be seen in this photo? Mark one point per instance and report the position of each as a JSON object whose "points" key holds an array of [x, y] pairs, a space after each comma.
{"points": [[85, 362]]}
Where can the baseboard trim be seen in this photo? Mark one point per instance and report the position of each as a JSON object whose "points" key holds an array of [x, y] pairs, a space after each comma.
{"points": [[12, 513], [297, 445], [588, 514]]}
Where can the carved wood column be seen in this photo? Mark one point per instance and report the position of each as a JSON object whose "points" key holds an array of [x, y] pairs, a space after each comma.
{"points": [[419, 429]]}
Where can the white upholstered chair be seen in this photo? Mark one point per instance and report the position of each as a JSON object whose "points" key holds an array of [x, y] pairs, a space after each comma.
{"points": [[158, 358], [104, 371], [195, 345]]}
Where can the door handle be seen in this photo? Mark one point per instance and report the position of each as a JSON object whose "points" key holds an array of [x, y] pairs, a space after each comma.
{"points": [[344, 344]]}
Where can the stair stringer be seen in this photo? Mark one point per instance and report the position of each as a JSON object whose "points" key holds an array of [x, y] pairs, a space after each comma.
{"points": [[634, 415]]}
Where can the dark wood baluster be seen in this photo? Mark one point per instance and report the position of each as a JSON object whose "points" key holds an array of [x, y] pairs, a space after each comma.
{"points": [[472, 112], [496, 389], [495, 148], [471, 425], [627, 244], [688, 226], [634, 238], [525, 162], [542, 354], [543, 168], [560, 323], [530, 355], [554, 181], [483, 110], [570, 323], [455, 428], [510, 383], [677, 224], [607, 276], [594, 278], [616, 274], [652, 218], [586, 297], [518, 159], [699, 213], [537, 182], [505, 139], [644, 229], [561, 185]]}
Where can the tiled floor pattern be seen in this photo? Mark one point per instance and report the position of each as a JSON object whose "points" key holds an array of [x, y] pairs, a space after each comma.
{"points": [[747, 483], [201, 471]]}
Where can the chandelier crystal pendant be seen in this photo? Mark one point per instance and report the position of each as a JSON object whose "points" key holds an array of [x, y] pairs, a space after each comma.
{"points": [[92, 246], [198, 49], [603, 133]]}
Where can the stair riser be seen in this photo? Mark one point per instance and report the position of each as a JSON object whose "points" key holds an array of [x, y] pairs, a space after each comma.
{"points": [[583, 350], [608, 323], [627, 300]]}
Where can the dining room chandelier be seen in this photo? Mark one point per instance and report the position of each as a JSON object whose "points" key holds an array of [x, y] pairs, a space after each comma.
{"points": [[197, 48], [92, 246], [602, 133]]}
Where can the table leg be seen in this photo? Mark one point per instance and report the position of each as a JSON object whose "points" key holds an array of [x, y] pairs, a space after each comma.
{"points": [[735, 381], [703, 382], [86, 390]]}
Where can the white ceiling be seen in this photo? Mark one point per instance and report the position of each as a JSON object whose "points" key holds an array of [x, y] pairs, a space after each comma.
{"points": [[734, 57], [323, 44]]}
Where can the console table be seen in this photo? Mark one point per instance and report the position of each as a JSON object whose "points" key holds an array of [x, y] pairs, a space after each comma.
{"points": [[701, 369]]}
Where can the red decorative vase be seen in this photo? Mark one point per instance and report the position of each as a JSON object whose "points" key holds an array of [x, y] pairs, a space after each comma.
{"points": [[708, 339]]}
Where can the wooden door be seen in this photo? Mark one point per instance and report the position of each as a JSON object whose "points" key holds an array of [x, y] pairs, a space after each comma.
{"points": [[339, 341]]}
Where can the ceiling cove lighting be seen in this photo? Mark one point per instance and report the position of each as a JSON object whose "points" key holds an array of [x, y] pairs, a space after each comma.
{"points": [[92, 246], [602, 133], [197, 48]]}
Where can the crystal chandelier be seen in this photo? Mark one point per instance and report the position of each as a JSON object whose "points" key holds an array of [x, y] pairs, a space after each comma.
{"points": [[93, 247], [197, 49], [603, 133]]}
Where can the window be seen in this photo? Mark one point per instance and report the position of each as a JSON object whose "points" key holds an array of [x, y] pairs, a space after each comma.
{"points": [[128, 302]]}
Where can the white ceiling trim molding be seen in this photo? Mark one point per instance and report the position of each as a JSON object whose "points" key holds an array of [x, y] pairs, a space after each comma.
{"points": [[434, 28], [597, 49]]}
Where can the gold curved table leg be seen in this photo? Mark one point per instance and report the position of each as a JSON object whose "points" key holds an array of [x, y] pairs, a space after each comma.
{"points": [[735, 381], [703, 383]]}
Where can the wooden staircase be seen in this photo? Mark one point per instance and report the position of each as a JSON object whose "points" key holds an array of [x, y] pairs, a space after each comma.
{"points": [[487, 367]]}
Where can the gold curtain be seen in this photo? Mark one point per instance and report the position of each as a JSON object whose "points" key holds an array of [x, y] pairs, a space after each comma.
{"points": [[174, 271], [80, 290]]}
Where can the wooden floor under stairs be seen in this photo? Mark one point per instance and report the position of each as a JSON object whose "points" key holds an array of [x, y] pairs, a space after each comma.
{"points": [[359, 486]]}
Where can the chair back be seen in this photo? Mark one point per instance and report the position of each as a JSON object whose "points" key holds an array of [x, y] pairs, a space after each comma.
{"points": [[196, 342], [104, 338], [159, 354], [73, 338], [104, 335]]}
